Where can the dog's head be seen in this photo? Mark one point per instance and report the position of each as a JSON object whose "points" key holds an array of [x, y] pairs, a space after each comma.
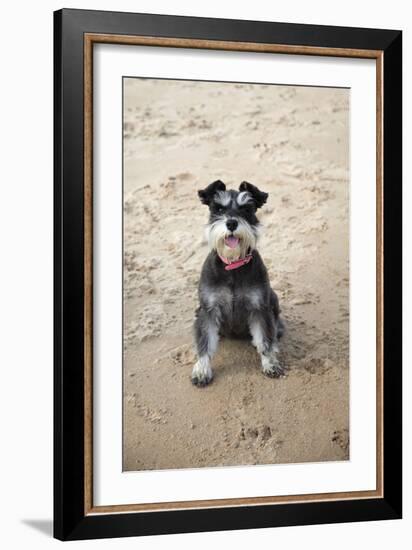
{"points": [[233, 227]]}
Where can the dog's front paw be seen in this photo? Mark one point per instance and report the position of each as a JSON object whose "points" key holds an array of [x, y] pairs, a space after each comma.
{"points": [[202, 374], [271, 367], [201, 382]]}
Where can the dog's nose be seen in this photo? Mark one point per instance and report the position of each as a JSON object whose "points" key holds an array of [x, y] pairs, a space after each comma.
{"points": [[231, 224]]}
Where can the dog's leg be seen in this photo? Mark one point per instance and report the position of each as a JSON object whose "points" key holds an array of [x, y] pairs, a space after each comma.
{"points": [[263, 331], [207, 338], [279, 323]]}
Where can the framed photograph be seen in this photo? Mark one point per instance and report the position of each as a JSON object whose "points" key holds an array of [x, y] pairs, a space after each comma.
{"points": [[227, 274]]}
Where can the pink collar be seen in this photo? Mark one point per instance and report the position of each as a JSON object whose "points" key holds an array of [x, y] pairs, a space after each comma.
{"points": [[236, 263]]}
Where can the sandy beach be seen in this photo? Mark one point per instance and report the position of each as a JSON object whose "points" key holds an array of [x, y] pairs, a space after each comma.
{"points": [[291, 142]]}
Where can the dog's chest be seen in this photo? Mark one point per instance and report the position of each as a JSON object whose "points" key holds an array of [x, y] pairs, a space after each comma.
{"points": [[232, 301]]}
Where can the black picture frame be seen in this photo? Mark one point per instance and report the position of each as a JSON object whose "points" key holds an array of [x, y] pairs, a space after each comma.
{"points": [[71, 521]]}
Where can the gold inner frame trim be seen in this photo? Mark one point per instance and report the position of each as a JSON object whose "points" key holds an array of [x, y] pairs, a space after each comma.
{"points": [[89, 40]]}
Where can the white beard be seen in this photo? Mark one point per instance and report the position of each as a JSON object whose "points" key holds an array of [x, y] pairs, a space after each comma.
{"points": [[217, 231]]}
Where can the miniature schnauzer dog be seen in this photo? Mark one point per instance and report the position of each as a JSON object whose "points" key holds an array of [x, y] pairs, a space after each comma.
{"points": [[235, 296]]}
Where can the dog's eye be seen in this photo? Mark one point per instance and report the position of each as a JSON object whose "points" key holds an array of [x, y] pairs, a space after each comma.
{"points": [[220, 209]]}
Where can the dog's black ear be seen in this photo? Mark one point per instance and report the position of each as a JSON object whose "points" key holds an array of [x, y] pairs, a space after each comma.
{"points": [[259, 197], [206, 195]]}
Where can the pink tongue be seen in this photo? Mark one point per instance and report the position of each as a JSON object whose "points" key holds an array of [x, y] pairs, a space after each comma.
{"points": [[231, 241]]}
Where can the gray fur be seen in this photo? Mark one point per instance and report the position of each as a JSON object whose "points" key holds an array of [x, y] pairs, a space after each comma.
{"points": [[239, 303]]}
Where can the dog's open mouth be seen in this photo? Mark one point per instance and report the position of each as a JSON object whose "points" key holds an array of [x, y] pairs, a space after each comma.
{"points": [[232, 241]]}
